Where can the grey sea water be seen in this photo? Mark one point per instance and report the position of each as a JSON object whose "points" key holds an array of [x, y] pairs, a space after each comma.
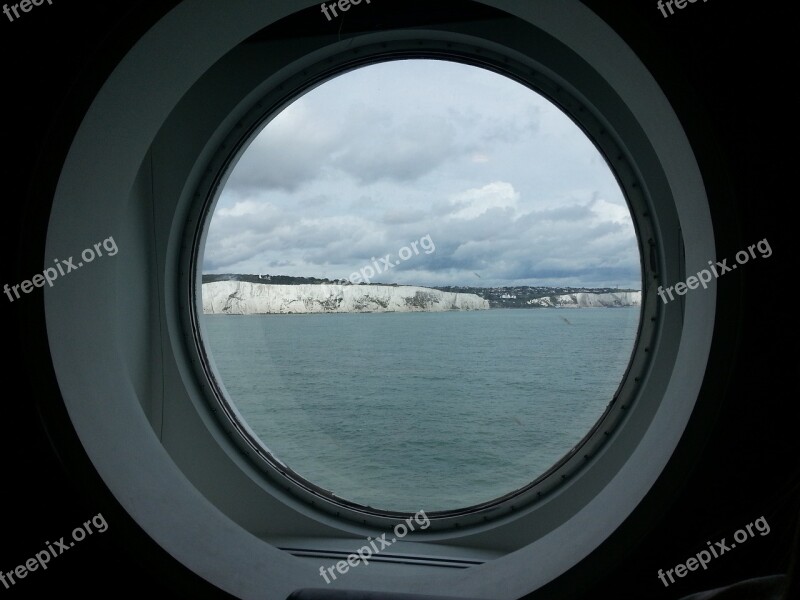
{"points": [[422, 411]]}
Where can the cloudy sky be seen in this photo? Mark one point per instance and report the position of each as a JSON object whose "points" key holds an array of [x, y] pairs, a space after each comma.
{"points": [[509, 190]]}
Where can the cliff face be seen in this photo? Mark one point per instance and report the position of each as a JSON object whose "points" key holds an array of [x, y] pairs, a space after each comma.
{"points": [[244, 298], [589, 300]]}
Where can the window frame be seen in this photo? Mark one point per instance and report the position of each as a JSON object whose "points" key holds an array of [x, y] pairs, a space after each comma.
{"points": [[149, 434], [235, 144]]}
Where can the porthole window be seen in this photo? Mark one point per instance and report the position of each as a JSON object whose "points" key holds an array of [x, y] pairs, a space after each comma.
{"points": [[513, 160], [421, 288]]}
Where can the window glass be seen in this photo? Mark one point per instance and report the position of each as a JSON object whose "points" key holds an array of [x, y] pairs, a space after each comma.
{"points": [[421, 286]]}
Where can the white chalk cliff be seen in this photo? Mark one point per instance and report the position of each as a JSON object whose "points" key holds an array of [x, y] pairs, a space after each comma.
{"points": [[244, 298], [589, 300]]}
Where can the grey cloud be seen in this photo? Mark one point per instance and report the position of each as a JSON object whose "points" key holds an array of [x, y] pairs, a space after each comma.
{"points": [[398, 150]]}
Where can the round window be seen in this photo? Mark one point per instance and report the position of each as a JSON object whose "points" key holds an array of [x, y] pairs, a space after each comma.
{"points": [[421, 287]]}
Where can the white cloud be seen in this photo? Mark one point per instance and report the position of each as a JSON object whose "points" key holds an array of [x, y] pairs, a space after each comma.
{"points": [[476, 201]]}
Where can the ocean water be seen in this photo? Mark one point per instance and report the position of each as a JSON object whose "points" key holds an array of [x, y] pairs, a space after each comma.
{"points": [[422, 411]]}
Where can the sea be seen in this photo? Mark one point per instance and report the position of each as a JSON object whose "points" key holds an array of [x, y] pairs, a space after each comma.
{"points": [[421, 410]]}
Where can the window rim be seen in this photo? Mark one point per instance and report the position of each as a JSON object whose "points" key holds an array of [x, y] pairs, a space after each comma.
{"points": [[235, 144]]}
